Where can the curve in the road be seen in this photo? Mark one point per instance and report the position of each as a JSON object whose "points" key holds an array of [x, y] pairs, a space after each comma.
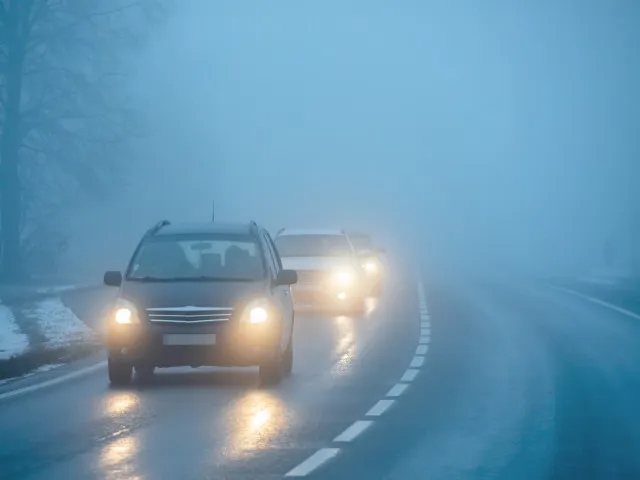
{"points": [[351, 433]]}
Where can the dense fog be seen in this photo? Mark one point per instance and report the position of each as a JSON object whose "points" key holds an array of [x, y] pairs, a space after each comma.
{"points": [[489, 134]]}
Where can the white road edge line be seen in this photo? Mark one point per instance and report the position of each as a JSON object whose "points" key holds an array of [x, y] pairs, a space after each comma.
{"points": [[379, 408], [410, 375], [353, 431], [425, 331], [421, 349], [417, 361], [313, 462], [397, 390], [53, 381], [599, 302], [424, 340]]}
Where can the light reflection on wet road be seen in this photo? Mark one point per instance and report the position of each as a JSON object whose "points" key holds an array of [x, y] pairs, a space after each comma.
{"points": [[520, 382], [204, 423]]}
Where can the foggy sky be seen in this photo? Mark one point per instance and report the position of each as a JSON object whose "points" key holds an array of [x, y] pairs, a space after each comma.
{"points": [[495, 132]]}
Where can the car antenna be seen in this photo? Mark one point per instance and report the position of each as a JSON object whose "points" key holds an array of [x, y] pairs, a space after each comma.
{"points": [[213, 210]]}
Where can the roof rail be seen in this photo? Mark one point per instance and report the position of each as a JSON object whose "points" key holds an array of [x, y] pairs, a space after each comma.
{"points": [[280, 231], [253, 226], [156, 228]]}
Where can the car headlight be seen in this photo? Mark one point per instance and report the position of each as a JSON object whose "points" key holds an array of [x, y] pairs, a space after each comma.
{"points": [[372, 267], [257, 311], [344, 276], [125, 312]]}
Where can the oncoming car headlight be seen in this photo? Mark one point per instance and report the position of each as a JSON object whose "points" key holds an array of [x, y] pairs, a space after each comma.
{"points": [[344, 276], [125, 312], [372, 266], [257, 311]]}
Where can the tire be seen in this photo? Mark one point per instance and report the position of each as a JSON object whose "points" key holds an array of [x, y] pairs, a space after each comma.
{"points": [[287, 364], [271, 371], [120, 372], [144, 371]]}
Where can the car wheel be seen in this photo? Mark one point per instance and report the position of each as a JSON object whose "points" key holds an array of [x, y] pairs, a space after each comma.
{"points": [[144, 370], [272, 369], [120, 371], [288, 358]]}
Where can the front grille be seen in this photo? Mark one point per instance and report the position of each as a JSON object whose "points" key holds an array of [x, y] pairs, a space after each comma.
{"points": [[311, 276], [189, 314]]}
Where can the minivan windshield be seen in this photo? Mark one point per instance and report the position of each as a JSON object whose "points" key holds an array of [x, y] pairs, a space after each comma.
{"points": [[198, 257], [312, 245]]}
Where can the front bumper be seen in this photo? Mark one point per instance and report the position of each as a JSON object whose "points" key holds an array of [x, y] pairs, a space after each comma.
{"points": [[235, 344]]}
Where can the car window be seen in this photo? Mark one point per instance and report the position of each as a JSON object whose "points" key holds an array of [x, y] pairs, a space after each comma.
{"points": [[270, 256], [184, 257], [274, 250], [313, 246]]}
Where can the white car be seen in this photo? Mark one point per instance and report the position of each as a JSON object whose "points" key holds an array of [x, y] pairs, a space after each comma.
{"points": [[329, 270]]}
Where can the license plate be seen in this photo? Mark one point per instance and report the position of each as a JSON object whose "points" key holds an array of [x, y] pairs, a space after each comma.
{"points": [[189, 339]]}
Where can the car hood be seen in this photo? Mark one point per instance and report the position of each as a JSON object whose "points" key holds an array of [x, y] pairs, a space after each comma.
{"points": [[227, 294], [316, 263]]}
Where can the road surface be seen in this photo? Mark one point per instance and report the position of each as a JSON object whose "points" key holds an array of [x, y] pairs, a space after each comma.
{"points": [[478, 380]]}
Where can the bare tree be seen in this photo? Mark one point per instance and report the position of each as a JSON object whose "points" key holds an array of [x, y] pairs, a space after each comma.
{"points": [[65, 115]]}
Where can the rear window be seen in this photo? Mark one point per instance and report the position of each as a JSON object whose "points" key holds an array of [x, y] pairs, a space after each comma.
{"points": [[313, 246], [202, 256]]}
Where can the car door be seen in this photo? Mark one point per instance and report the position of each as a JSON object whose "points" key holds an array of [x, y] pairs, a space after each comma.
{"points": [[281, 293]]}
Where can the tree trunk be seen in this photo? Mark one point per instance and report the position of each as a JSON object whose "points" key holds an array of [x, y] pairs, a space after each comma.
{"points": [[10, 187]]}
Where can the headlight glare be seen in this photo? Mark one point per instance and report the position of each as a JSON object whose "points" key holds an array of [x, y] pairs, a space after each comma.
{"points": [[125, 312], [123, 315], [257, 311], [258, 315], [371, 266], [344, 276]]}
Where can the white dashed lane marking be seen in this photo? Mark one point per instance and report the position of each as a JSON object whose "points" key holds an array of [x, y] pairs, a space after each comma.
{"points": [[353, 431], [410, 375], [314, 461], [397, 390], [360, 426], [379, 408], [417, 361]]}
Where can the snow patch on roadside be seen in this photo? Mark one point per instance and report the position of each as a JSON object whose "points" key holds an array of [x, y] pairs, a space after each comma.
{"points": [[12, 341], [59, 324], [63, 288]]}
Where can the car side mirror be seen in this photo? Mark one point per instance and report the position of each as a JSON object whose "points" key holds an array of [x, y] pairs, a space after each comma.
{"points": [[287, 277], [112, 278]]}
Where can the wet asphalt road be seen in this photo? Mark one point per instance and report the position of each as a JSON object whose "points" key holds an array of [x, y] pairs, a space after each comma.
{"points": [[519, 382]]}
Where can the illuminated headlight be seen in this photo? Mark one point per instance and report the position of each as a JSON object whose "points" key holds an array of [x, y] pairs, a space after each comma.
{"points": [[125, 312], [257, 311], [344, 277], [372, 267]]}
